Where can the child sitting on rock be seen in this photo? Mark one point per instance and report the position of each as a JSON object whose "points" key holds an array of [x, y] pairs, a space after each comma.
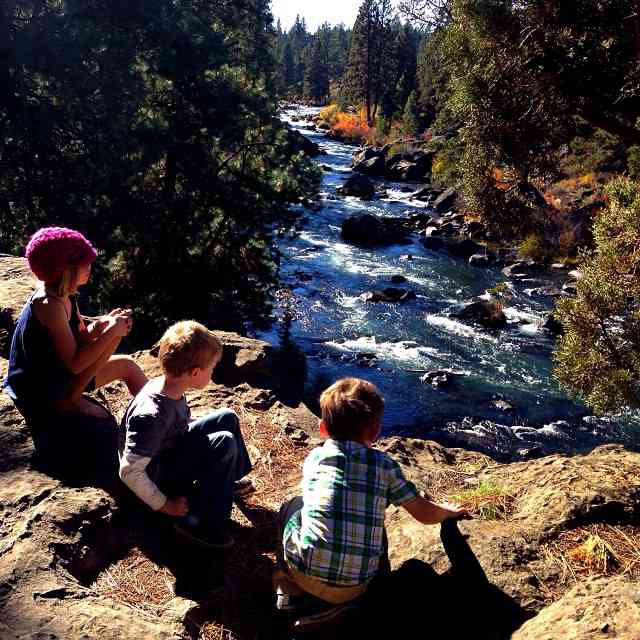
{"points": [[55, 357], [188, 470], [334, 541]]}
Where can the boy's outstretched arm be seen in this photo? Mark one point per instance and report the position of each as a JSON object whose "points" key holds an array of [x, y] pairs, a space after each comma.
{"points": [[428, 512]]}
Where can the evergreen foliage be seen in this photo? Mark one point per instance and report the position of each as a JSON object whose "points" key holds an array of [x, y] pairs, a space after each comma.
{"points": [[410, 118], [371, 63], [310, 63], [598, 357], [148, 126], [522, 73], [316, 75]]}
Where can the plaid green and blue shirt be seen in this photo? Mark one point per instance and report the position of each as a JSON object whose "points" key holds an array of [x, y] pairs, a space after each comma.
{"points": [[337, 536]]}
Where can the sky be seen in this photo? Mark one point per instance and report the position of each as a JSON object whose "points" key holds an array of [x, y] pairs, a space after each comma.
{"points": [[315, 12]]}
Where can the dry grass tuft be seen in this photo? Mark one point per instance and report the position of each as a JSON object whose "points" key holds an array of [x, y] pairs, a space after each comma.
{"points": [[488, 500], [137, 582], [596, 550]]}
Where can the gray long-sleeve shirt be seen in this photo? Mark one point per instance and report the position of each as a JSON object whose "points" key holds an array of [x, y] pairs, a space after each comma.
{"points": [[153, 424]]}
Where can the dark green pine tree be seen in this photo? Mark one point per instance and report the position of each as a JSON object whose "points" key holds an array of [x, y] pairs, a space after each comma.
{"points": [[410, 121], [159, 141], [371, 61], [287, 69], [298, 40], [316, 76], [338, 50]]}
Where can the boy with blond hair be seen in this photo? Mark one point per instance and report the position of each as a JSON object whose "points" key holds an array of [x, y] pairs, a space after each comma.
{"points": [[186, 469], [334, 541]]}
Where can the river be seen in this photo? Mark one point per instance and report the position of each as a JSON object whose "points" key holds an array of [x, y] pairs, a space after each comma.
{"points": [[390, 344]]}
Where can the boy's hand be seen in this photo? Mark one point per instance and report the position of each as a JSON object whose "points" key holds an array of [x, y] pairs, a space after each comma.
{"points": [[455, 511], [176, 507]]}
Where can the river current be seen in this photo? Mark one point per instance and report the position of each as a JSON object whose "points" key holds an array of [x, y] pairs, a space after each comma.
{"points": [[393, 344]]}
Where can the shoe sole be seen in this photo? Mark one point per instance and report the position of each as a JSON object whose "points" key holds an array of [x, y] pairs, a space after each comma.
{"points": [[202, 542], [323, 621]]}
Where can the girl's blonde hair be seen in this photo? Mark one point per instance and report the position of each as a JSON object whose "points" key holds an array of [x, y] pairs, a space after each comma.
{"points": [[66, 285]]}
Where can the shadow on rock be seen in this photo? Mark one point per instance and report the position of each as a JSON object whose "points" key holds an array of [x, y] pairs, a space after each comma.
{"points": [[416, 602]]}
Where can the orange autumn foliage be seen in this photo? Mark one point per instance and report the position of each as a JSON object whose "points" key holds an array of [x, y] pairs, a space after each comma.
{"points": [[352, 126]]}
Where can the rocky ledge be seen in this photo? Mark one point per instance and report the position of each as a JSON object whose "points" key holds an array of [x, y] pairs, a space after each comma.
{"points": [[552, 550]]}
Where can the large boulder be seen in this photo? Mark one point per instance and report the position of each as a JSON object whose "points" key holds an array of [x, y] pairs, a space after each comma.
{"points": [[16, 284], [302, 143], [373, 167], [369, 161], [523, 269], [487, 313], [359, 186], [545, 497], [367, 230], [464, 248], [445, 201], [411, 166], [425, 194], [366, 153]]}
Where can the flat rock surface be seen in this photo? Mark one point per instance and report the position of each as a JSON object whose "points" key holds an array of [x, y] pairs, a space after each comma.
{"points": [[593, 610]]}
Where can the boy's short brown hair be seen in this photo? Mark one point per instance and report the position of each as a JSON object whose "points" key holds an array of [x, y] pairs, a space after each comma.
{"points": [[187, 345], [349, 407]]}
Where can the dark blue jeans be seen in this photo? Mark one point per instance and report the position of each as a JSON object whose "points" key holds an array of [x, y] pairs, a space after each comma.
{"points": [[204, 467]]}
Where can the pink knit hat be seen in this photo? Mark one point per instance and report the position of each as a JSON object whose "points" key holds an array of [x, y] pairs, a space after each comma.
{"points": [[52, 249]]}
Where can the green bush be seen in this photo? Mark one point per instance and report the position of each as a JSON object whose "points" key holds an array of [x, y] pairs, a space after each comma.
{"points": [[534, 247], [633, 160], [598, 357]]}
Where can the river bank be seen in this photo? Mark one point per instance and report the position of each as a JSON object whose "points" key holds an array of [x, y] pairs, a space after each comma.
{"points": [[82, 561], [503, 399]]}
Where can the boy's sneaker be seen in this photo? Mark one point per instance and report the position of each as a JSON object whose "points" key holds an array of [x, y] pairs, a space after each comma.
{"points": [[197, 535], [243, 487], [325, 622]]}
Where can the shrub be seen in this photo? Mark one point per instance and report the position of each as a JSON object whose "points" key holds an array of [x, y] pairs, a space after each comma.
{"points": [[490, 501], [598, 357], [633, 160], [534, 247]]}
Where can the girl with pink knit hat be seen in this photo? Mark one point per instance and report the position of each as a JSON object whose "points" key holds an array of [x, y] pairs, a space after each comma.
{"points": [[55, 357]]}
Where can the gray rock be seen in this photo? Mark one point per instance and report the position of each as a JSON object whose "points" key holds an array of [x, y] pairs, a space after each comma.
{"points": [[432, 231], [446, 200], [370, 231], [523, 269], [388, 294], [503, 405], [595, 609], [374, 166], [359, 186], [480, 260], [487, 313], [433, 242], [464, 248], [440, 378]]}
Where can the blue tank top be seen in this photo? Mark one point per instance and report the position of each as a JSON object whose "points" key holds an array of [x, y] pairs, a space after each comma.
{"points": [[37, 378]]}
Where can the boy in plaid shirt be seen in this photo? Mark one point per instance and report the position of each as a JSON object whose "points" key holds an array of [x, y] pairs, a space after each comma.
{"points": [[334, 541]]}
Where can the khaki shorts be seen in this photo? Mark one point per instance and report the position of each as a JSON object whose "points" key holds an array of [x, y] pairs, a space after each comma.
{"points": [[335, 594]]}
